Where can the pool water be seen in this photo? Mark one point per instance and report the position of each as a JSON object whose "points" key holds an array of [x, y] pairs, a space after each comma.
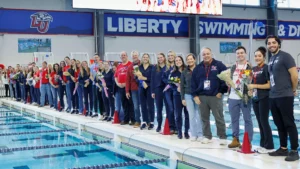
{"points": [[55, 158]]}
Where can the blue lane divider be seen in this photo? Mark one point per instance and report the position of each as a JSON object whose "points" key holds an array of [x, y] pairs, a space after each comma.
{"points": [[35, 132], [124, 164], [9, 150], [27, 122], [4, 117]]}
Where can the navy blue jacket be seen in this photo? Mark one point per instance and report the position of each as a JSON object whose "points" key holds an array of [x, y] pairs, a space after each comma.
{"points": [[199, 76], [146, 73], [82, 79], [22, 78], [72, 73], [174, 87], [156, 79], [109, 79]]}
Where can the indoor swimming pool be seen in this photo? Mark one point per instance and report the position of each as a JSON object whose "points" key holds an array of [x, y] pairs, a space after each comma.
{"points": [[27, 143]]}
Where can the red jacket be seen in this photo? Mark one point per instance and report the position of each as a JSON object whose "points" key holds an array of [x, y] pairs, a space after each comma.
{"points": [[131, 83]]}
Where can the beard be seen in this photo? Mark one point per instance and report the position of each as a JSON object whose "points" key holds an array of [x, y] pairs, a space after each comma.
{"points": [[276, 50]]}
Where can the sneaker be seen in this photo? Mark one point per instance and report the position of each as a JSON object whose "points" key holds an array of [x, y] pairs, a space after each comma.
{"points": [[206, 141], [193, 139], [292, 156], [73, 111], [199, 139], [179, 135], [262, 150], [151, 126], [158, 129], [223, 142], [280, 152], [186, 135], [143, 126], [109, 119], [105, 118], [136, 125]]}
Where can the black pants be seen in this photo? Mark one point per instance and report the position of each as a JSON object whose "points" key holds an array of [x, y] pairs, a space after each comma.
{"points": [[261, 110], [7, 93], [62, 91], [127, 106], [283, 115], [98, 101]]}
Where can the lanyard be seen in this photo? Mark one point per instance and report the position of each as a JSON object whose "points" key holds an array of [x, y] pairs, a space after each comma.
{"points": [[256, 71], [272, 64], [207, 70]]}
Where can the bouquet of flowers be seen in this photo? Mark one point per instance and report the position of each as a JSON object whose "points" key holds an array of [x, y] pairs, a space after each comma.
{"points": [[16, 76], [226, 77], [172, 80], [66, 74], [101, 78]]}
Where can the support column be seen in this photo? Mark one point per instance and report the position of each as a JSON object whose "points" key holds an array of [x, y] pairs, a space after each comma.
{"points": [[194, 35], [100, 34], [272, 18]]}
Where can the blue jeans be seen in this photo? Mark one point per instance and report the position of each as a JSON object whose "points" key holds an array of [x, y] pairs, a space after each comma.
{"points": [[54, 95], [32, 95], [136, 105], [37, 94], [170, 109], [11, 90], [22, 89], [16, 90], [69, 96], [45, 89], [178, 107], [80, 97], [118, 106], [235, 107], [194, 116]]}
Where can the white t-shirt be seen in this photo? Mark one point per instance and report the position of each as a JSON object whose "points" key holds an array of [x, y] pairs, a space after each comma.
{"points": [[235, 79]]}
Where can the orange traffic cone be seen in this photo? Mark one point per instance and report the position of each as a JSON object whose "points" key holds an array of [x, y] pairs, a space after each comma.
{"points": [[84, 111], [58, 105], [28, 99], [116, 118], [166, 130], [246, 147]]}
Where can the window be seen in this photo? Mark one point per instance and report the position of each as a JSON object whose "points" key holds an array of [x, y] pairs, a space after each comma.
{"points": [[242, 2], [288, 4]]}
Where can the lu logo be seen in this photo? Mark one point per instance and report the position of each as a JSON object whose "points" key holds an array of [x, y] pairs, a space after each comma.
{"points": [[41, 21]]}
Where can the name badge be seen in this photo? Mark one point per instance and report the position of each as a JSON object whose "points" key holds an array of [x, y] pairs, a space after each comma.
{"points": [[255, 94], [207, 85], [272, 81]]}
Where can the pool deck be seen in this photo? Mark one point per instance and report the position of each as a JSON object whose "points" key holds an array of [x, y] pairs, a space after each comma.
{"points": [[212, 153]]}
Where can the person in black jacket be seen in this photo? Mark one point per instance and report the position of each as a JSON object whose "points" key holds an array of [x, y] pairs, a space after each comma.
{"points": [[207, 90]]}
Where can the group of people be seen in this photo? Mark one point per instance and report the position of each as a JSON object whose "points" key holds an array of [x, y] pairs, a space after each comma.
{"points": [[182, 87]]}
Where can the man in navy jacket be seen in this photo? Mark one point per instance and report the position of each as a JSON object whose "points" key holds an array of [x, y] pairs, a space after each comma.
{"points": [[207, 90]]}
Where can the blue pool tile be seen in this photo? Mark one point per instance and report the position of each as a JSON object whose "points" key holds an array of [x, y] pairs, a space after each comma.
{"points": [[43, 137]]}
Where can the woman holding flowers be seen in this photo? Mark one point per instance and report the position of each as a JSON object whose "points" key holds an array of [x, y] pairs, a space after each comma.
{"points": [[107, 91], [238, 99], [79, 87], [259, 90], [178, 106], [84, 79], [168, 92], [147, 102]]}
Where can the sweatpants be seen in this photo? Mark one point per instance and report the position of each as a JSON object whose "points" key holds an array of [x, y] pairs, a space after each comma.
{"points": [[283, 114], [261, 109], [235, 108], [215, 105]]}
